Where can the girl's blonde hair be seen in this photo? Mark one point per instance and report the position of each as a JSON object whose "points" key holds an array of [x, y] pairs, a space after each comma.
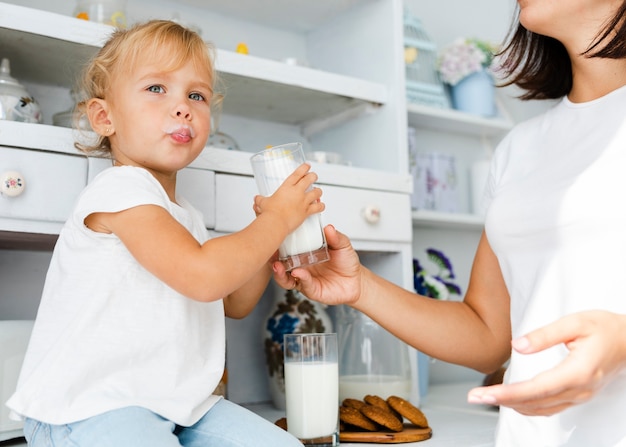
{"points": [[125, 48]]}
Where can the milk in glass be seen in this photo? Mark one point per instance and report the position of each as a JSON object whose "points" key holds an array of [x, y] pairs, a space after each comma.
{"points": [[312, 398]]}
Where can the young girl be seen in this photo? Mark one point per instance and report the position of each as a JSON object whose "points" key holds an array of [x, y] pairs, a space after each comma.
{"points": [[128, 345], [547, 278]]}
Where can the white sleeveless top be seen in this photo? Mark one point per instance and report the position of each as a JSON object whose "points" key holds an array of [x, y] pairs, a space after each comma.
{"points": [[109, 334]]}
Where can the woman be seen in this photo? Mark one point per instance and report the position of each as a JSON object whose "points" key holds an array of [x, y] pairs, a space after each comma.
{"points": [[546, 275]]}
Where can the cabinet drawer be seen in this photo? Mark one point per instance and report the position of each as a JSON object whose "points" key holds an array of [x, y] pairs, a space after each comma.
{"points": [[198, 187], [346, 209], [52, 183], [367, 214], [233, 202]]}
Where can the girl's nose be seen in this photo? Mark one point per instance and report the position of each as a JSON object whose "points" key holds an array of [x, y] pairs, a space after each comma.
{"points": [[183, 112]]}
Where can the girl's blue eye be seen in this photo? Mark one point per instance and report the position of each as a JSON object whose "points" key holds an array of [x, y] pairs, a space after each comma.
{"points": [[196, 97], [155, 89]]}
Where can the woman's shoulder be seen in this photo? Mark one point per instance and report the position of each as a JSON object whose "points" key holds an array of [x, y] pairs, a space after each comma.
{"points": [[544, 110]]}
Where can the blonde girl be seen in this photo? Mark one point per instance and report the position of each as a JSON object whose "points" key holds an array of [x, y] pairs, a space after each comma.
{"points": [[128, 344]]}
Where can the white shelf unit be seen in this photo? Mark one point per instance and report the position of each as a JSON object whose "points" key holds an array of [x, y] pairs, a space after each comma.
{"points": [[334, 107], [451, 221], [455, 234], [351, 102], [462, 125], [450, 120], [43, 45]]}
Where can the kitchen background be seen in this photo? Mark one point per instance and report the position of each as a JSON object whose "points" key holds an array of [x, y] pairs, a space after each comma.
{"points": [[356, 38]]}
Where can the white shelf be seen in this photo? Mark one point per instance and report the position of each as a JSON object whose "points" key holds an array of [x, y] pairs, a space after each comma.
{"points": [[299, 15], [37, 136], [238, 162], [274, 91], [61, 139], [439, 220], [45, 47], [454, 121]]}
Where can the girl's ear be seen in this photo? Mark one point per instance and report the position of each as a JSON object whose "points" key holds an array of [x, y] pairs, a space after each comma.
{"points": [[98, 114]]}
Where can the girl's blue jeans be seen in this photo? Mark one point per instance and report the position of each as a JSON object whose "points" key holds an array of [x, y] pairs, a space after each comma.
{"points": [[224, 425]]}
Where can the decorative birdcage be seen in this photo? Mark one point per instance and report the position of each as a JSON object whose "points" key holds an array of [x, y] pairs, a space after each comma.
{"points": [[423, 84]]}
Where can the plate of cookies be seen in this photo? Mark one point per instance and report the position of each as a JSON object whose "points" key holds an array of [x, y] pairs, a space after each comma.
{"points": [[380, 421], [384, 421]]}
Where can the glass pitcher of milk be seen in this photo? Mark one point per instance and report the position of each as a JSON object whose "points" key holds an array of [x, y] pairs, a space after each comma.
{"points": [[371, 360]]}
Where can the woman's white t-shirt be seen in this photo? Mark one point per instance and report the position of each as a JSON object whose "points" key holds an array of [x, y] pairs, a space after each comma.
{"points": [[557, 223], [108, 333]]}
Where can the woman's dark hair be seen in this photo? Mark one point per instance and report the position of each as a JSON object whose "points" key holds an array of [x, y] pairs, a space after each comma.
{"points": [[540, 64]]}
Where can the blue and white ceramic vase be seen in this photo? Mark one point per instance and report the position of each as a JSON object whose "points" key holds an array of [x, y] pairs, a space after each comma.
{"points": [[475, 94], [291, 313]]}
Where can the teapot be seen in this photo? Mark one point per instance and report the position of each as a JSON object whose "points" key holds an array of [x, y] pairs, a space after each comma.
{"points": [[15, 102]]}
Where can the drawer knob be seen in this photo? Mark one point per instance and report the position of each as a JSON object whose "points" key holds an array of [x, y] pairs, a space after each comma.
{"points": [[12, 184], [371, 213]]}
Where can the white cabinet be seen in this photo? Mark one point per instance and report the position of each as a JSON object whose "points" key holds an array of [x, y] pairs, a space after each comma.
{"points": [[234, 202], [341, 104], [376, 216], [349, 98], [369, 215], [50, 183]]}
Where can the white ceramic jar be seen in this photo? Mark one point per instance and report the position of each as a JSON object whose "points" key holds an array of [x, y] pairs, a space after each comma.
{"points": [[16, 104]]}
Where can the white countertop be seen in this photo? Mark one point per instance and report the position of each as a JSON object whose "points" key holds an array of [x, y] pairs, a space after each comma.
{"points": [[454, 422]]}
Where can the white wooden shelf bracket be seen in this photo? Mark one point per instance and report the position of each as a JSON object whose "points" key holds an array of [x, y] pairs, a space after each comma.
{"points": [[319, 125]]}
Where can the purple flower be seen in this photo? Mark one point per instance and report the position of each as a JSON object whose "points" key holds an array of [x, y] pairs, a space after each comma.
{"points": [[463, 57]]}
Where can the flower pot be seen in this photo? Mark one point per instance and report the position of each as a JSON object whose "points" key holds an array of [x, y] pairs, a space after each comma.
{"points": [[475, 94]]}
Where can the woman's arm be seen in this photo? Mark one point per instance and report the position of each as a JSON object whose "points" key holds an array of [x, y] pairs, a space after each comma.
{"points": [[475, 332]]}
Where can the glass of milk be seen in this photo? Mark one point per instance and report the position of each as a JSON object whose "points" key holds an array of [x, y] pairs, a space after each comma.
{"points": [[306, 245], [312, 388]]}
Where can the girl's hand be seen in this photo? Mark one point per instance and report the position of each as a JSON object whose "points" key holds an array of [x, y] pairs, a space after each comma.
{"points": [[597, 344], [294, 200], [335, 281]]}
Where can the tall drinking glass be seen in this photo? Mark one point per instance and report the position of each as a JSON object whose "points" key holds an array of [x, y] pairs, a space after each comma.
{"points": [[306, 245], [312, 388]]}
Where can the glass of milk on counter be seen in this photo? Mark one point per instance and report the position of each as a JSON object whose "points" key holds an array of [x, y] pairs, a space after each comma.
{"points": [[306, 245], [312, 388]]}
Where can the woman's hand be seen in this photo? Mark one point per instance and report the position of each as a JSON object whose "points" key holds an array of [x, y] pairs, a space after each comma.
{"points": [[335, 281], [597, 344]]}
